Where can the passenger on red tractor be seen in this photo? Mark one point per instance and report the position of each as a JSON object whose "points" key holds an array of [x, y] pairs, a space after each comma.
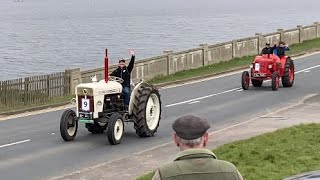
{"points": [[267, 50], [280, 49], [124, 72]]}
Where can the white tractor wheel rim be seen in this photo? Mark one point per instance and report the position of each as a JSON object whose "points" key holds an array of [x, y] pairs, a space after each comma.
{"points": [[118, 129], [71, 130], [153, 111]]}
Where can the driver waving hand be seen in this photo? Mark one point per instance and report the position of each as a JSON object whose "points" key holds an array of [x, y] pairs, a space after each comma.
{"points": [[124, 72]]}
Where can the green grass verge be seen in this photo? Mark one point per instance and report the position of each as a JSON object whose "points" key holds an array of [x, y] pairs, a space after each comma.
{"points": [[21, 106], [211, 69], [146, 177], [306, 46], [274, 155]]}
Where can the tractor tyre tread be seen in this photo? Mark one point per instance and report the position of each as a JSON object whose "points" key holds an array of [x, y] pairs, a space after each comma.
{"points": [[110, 130], [274, 85], [286, 77], [243, 80], [139, 110], [63, 125]]}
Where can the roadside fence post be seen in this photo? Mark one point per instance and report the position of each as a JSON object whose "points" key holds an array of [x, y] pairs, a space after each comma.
{"points": [[169, 56], [204, 54]]}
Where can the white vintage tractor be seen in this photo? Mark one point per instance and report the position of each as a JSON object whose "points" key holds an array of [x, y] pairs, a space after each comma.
{"points": [[100, 106]]}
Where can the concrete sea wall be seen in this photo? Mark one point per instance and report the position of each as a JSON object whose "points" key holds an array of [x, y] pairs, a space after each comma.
{"points": [[171, 62]]}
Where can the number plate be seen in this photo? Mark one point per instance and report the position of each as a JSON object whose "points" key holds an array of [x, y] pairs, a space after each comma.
{"points": [[84, 115], [259, 75], [257, 67], [85, 105]]}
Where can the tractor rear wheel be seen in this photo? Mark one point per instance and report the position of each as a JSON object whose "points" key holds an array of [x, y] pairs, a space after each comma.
{"points": [[245, 80], [288, 77], [275, 81], [146, 110], [115, 129], [96, 128], [256, 83], [68, 125]]}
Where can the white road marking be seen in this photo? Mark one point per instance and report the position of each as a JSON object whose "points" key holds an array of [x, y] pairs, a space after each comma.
{"points": [[194, 102], [204, 79], [307, 69], [240, 90], [4, 118], [15, 143], [231, 90], [203, 97], [171, 143]]}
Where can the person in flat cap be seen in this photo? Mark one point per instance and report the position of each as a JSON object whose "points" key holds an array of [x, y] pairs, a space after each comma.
{"points": [[194, 161], [267, 50]]}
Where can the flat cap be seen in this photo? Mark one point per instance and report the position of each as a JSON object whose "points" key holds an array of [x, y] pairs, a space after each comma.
{"points": [[190, 127]]}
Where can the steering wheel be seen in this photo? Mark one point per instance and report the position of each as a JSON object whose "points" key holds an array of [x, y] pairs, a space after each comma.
{"points": [[116, 79]]}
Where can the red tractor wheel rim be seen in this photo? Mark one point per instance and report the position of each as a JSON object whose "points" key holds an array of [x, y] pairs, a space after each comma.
{"points": [[277, 82], [291, 74], [247, 80]]}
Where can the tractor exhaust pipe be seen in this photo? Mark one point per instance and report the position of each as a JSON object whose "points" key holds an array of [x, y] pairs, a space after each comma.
{"points": [[106, 67]]}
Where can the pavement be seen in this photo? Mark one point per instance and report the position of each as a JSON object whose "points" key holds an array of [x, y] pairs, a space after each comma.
{"points": [[306, 111], [31, 146]]}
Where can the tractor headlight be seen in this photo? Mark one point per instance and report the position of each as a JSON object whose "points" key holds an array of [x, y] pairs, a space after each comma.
{"points": [[270, 66], [251, 66], [73, 101], [99, 103]]}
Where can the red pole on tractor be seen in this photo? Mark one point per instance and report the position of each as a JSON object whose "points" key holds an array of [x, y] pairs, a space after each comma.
{"points": [[106, 67]]}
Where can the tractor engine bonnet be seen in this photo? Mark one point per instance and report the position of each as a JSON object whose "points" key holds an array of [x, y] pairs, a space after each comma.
{"points": [[100, 88]]}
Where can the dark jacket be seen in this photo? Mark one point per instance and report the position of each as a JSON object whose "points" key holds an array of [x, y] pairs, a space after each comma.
{"points": [[267, 50], [197, 164], [280, 51], [125, 72]]}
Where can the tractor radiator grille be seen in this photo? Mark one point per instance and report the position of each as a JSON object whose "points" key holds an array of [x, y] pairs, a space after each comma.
{"points": [[84, 106], [263, 67]]}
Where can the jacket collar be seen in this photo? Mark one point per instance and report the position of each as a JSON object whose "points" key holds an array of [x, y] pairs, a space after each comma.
{"points": [[191, 153]]}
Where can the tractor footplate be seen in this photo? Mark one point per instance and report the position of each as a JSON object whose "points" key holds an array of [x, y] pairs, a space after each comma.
{"points": [[81, 120]]}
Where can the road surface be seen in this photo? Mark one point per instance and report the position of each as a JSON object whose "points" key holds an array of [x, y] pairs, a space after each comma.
{"points": [[31, 147]]}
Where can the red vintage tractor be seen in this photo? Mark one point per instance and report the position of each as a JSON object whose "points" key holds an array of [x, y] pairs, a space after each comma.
{"points": [[269, 66]]}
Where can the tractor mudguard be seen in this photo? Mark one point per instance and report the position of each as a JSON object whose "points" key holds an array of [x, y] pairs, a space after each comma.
{"points": [[283, 61], [133, 93]]}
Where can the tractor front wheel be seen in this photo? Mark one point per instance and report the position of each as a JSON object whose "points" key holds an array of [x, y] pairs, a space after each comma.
{"points": [[275, 81], [68, 125], [245, 80], [115, 129], [288, 77]]}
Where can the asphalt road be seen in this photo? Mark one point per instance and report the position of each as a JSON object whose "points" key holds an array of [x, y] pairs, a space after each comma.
{"points": [[31, 147]]}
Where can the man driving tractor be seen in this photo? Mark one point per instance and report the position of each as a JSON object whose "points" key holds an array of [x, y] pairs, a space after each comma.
{"points": [[267, 50], [124, 72]]}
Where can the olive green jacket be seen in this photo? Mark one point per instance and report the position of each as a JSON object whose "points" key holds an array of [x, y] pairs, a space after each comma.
{"points": [[199, 164]]}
